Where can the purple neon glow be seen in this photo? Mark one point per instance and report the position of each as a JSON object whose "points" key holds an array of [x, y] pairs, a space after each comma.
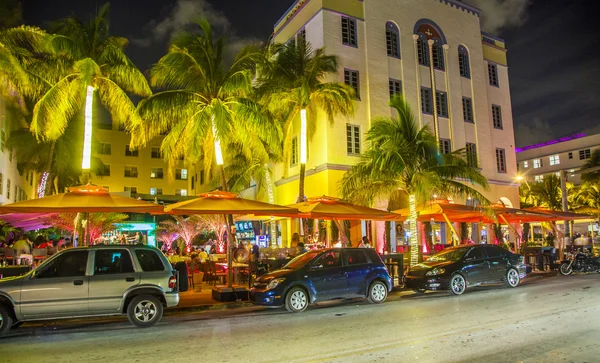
{"points": [[552, 142]]}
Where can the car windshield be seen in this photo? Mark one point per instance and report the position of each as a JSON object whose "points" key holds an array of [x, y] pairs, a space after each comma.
{"points": [[302, 260], [449, 255]]}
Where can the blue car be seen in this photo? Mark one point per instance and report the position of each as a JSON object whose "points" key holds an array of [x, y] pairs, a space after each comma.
{"points": [[321, 275]]}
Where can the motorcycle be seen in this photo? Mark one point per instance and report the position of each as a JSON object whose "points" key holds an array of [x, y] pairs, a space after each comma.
{"points": [[579, 262]]}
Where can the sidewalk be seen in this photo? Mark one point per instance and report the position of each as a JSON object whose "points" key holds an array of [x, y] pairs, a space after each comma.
{"points": [[200, 298]]}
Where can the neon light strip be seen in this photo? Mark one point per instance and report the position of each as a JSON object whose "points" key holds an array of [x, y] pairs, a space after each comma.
{"points": [[218, 152], [552, 142], [303, 136], [87, 134]]}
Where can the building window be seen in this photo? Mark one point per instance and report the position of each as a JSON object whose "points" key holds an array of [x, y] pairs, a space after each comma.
{"points": [[445, 146], [156, 191], [201, 177], [8, 189], [193, 182], [131, 172], [3, 140], [493, 74], [500, 160], [538, 178], [133, 190], [156, 173], [441, 99], [104, 170], [353, 139], [570, 155], [467, 105], [395, 88], [497, 116], [16, 193], [422, 51], [129, 152], [104, 148], [537, 163], [437, 52], [181, 192], [31, 179], [10, 154], [155, 153], [525, 164], [554, 160], [392, 38], [471, 154], [463, 62], [301, 36], [349, 31], [181, 174], [294, 154], [351, 79], [426, 102], [585, 154], [1, 183]]}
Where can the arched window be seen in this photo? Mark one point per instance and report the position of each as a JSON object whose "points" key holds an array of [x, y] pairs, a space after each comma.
{"points": [[463, 62], [423, 50], [392, 38]]}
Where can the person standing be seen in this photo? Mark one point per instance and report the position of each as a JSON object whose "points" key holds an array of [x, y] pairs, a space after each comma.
{"points": [[365, 243]]}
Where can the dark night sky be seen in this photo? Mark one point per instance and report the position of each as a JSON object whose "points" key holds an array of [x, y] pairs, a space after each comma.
{"points": [[553, 47]]}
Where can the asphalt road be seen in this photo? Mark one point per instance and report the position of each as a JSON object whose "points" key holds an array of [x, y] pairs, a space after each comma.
{"points": [[546, 319]]}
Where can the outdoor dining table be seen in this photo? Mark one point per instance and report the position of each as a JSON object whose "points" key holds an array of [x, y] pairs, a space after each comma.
{"points": [[236, 266]]}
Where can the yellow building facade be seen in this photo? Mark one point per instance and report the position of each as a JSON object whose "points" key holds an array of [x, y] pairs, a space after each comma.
{"points": [[470, 77]]}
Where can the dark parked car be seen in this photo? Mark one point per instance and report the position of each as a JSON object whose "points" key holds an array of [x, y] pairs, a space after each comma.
{"points": [[457, 268], [324, 275]]}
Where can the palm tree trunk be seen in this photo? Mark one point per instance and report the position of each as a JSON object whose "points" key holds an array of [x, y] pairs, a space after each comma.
{"points": [[414, 241], [271, 197], [43, 185], [230, 235], [302, 198]]}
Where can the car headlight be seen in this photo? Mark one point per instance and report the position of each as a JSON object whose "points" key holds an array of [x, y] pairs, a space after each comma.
{"points": [[436, 271], [274, 283]]}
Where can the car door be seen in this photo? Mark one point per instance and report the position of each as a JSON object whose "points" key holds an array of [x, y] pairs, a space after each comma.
{"points": [[498, 263], [327, 276], [476, 266], [113, 274], [357, 269], [59, 288]]}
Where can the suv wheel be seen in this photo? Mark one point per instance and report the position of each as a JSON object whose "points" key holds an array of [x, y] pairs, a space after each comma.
{"points": [[144, 311], [6, 321], [296, 300], [377, 292]]}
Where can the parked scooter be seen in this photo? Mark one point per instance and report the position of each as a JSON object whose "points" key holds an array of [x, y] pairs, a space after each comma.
{"points": [[579, 262]]}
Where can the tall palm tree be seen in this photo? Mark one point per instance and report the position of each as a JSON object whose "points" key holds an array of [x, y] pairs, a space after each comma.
{"points": [[593, 164], [402, 160], [293, 81], [203, 105], [547, 193], [91, 57], [588, 199]]}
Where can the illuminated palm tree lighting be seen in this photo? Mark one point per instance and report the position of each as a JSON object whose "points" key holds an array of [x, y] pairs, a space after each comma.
{"points": [[87, 133], [303, 136]]}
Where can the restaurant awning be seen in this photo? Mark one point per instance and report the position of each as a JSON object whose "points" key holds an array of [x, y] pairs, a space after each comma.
{"points": [[332, 208], [88, 198], [228, 203]]}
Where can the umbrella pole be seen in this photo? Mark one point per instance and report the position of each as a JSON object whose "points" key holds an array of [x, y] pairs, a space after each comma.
{"points": [[513, 229], [452, 229]]}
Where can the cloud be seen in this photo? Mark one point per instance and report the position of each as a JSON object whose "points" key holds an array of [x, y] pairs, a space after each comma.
{"points": [[185, 13], [501, 14], [534, 132]]}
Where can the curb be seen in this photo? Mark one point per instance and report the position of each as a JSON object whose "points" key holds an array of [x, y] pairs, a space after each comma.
{"points": [[209, 307]]}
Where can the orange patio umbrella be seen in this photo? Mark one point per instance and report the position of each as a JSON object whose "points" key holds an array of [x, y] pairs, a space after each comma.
{"points": [[82, 199], [228, 203], [335, 209], [445, 211], [560, 215]]}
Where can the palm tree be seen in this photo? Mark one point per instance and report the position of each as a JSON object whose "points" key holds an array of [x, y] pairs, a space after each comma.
{"points": [[293, 82], [91, 58], [402, 160], [203, 104], [588, 199], [185, 228], [593, 163]]}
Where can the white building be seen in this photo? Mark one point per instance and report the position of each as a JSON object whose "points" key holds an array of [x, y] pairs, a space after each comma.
{"points": [[568, 153]]}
